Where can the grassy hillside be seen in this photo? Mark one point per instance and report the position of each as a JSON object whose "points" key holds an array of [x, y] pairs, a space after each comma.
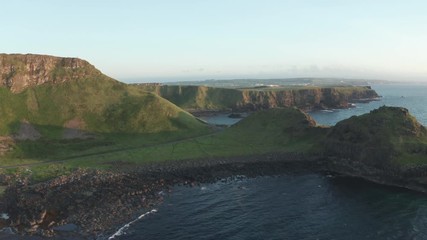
{"points": [[388, 136], [90, 100], [244, 99], [271, 131], [197, 97], [383, 139]]}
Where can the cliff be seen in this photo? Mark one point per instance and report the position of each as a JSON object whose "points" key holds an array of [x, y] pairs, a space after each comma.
{"points": [[19, 72], [307, 98], [45, 96], [387, 145]]}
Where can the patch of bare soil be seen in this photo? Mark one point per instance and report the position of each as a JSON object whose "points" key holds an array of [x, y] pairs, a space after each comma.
{"points": [[26, 132], [73, 130], [6, 145]]}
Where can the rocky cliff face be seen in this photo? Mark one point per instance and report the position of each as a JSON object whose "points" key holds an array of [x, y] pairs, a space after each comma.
{"points": [[209, 98], [18, 71], [308, 99]]}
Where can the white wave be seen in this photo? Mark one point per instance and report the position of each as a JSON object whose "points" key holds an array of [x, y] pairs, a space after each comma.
{"points": [[327, 110], [4, 216], [121, 231]]}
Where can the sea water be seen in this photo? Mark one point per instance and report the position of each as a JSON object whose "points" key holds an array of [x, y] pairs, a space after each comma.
{"points": [[300, 206], [411, 96]]}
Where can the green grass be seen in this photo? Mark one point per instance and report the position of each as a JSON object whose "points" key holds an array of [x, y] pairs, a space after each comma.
{"points": [[276, 130], [385, 131], [27, 152], [103, 104], [387, 134]]}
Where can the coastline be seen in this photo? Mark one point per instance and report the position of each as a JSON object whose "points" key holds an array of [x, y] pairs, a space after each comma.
{"points": [[95, 203]]}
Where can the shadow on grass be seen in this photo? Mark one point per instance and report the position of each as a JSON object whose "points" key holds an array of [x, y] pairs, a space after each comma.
{"points": [[52, 146]]}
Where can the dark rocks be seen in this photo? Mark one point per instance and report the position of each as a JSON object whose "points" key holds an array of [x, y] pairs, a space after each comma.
{"points": [[70, 227], [7, 230], [95, 202]]}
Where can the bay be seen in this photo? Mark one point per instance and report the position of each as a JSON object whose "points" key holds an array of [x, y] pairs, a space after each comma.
{"points": [[308, 206]]}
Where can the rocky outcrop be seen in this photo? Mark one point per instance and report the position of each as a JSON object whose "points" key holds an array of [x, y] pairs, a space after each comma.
{"points": [[387, 146], [18, 71], [307, 98]]}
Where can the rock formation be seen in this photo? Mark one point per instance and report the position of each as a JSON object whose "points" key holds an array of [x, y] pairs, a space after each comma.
{"points": [[19, 72]]}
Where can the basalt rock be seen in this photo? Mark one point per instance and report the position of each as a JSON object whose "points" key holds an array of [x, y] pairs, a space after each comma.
{"points": [[18, 71]]}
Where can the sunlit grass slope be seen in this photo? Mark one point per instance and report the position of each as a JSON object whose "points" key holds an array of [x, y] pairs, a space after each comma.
{"points": [[270, 131], [104, 105]]}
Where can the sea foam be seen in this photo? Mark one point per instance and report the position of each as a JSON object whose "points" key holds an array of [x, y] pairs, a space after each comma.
{"points": [[121, 231]]}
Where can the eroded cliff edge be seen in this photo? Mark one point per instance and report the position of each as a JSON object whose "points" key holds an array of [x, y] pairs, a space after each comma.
{"points": [[199, 98], [19, 71]]}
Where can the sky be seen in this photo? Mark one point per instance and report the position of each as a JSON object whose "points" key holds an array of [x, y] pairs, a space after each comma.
{"points": [[169, 40]]}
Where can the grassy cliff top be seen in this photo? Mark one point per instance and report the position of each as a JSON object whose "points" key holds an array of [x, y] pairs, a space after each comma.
{"points": [[385, 135], [384, 123], [278, 119]]}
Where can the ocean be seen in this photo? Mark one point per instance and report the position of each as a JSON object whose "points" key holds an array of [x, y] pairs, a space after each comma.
{"points": [[413, 97], [299, 206]]}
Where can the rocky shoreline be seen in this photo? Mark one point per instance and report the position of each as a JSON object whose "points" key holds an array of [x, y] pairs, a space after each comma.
{"points": [[90, 204], [380, 147], [93, 204]]}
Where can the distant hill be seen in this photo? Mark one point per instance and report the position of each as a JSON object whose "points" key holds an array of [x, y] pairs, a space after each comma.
{"points": [[48, 94], [244, 83], [261, 97]]}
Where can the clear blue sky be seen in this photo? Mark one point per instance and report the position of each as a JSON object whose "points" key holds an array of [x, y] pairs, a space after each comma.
{"points": [[203, 39]]}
